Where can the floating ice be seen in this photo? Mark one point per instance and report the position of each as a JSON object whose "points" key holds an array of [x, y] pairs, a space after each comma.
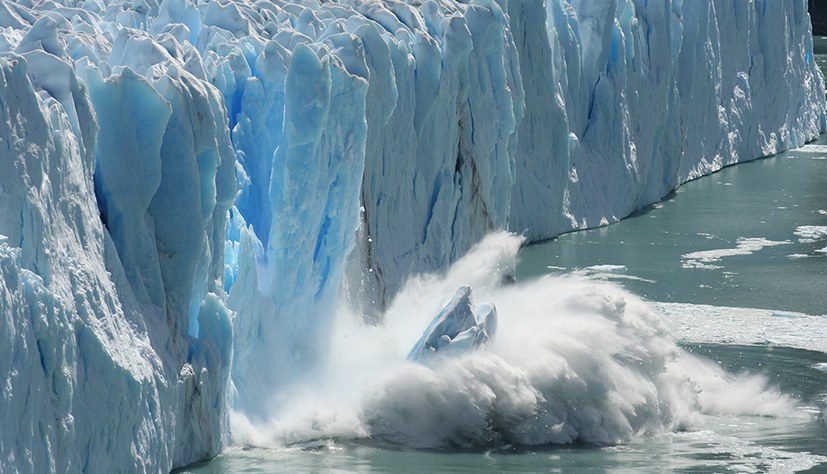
{"points": [[820, 149], [716, 325], [808, 234], [798, 255], [706, 259], [608, 273]]}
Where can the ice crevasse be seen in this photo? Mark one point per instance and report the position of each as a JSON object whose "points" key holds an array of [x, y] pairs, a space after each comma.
{"points": [[187, 188]]}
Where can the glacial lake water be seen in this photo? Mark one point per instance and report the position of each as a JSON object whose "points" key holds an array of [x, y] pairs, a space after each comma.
{"points": [[738, 262]]}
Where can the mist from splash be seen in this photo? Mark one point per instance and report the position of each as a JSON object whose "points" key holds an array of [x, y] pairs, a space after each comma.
{"points": [[574, 360]]}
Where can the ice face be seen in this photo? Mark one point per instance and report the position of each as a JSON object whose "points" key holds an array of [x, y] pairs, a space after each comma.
{"points": [[189, 187], [107, 278]]}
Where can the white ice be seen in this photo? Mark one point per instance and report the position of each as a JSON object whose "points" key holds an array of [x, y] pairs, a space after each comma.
{"points": [[707, 259]]}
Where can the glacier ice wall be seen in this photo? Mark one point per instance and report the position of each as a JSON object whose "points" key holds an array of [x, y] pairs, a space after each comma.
{"points": [[187, 188], [116, 181]]}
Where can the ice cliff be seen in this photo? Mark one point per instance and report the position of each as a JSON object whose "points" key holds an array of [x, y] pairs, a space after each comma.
{"points": [[187, 189]]}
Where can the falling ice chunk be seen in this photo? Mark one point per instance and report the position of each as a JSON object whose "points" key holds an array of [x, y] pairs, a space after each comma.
{"points": [[460, 326]]}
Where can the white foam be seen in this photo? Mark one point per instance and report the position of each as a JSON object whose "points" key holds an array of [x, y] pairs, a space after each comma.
{"points": [[573, 360]]}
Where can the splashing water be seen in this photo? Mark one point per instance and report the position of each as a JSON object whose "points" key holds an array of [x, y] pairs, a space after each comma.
{"points": [[574, 360]]}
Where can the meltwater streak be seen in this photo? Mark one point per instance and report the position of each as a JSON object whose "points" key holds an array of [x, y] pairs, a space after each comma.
{"points": [[574, 361]]}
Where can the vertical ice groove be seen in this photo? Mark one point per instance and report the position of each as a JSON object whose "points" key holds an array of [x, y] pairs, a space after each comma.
{"points": [[128, 171], [105, 336], [357, 143]]}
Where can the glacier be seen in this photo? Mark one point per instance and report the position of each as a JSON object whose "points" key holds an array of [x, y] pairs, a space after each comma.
{"points": [[189, 190]]}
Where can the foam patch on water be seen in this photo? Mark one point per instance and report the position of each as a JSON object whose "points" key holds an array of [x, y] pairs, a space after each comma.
{"points": [[573, 360], [723, 325], [707, 259]]}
